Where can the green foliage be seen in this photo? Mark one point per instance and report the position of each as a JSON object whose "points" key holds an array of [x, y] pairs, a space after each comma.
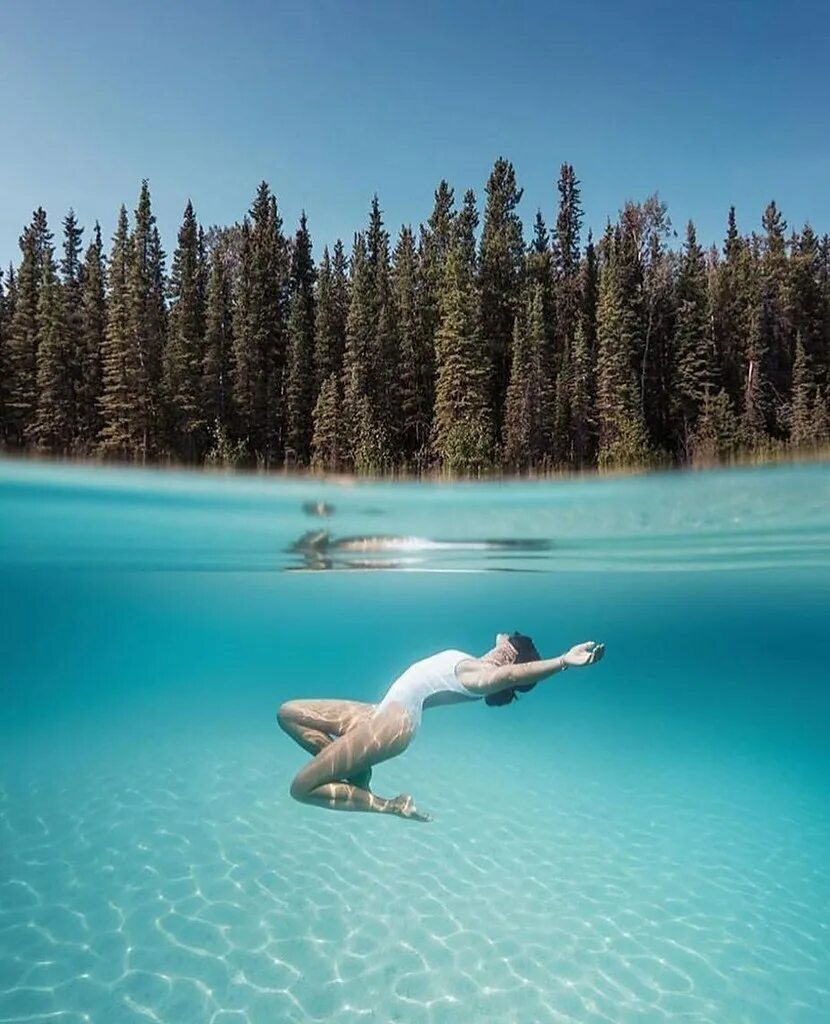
{"points": [[454, 353], [462, 426], [622, 436], [120, 433], [92, 335], [217, 363], [53, 427], [527, 418], [36, 267], [502, 256], [415, 354], [225, 453], [694, 357], [299, 383], [332, 310], [260, 329], [326, 445], [185, 350], [716, 437]]}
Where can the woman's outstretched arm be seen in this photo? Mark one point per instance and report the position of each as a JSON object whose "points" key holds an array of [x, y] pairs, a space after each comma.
{"points": [[480, 676]]}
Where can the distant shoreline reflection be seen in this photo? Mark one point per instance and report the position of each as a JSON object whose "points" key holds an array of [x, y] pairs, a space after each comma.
{"points": [[319, 551]]}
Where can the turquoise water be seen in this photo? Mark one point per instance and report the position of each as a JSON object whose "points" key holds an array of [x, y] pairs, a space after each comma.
{"points": [[646, 840]]}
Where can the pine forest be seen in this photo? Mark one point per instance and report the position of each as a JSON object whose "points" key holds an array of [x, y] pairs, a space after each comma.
{"points": [[467, 346]]}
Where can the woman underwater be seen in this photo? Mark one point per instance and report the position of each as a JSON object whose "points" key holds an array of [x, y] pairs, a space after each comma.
{"points": [[348, 737]]}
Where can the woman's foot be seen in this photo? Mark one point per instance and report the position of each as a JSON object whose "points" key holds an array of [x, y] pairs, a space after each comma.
{"points": [[404, 807]]}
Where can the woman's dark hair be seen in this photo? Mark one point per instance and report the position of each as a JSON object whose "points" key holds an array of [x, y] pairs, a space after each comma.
{"points": [[525, 651]]}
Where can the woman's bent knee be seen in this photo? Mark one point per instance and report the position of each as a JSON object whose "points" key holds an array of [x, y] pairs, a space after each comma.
{"points": [[285, 714], [299, 788]]}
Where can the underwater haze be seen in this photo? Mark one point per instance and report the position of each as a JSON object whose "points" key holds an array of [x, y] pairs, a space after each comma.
{"points": [[645, 840]]}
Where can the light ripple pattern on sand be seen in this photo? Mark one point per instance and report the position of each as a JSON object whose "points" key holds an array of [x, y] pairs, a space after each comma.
{"points": [[185, 886]]}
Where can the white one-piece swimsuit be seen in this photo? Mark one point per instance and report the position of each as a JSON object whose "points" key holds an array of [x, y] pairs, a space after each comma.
{"points": [[428, 683]]}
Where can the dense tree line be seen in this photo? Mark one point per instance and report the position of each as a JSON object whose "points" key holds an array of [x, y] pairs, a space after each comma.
{"points": [[460, 346]]}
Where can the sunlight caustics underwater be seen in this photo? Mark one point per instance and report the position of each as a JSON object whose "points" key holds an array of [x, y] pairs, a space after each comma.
{"points": [[648, 840]]}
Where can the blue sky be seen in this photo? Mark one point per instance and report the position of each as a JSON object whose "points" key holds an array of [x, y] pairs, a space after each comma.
{"points": [[330, 101]]}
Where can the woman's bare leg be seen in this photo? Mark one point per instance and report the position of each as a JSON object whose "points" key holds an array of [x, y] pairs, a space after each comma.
{"points": [[313, 724], [373, 740]]}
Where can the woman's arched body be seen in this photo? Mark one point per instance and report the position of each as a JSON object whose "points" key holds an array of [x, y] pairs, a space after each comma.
{"points": [[347, 738]]}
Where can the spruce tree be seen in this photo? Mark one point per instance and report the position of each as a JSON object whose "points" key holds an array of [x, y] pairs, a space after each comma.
{"points": [[621, 429], [146, 324], [729, 310], [259, 330], [381, 407], [217, 365], [415, 362], [71, 275], [121, 427], [93, 326], [526, 428], [53, 427], [756, 404], [435, 241], [36, 265], [327, 440], [357, 374], [566, 265], [776, 316], [716, 434], [184, 354], [807, 305], [693, 370], [331, 313], [299, 390], [582, 379], [501, 265], [802, 422], [462, 431]]}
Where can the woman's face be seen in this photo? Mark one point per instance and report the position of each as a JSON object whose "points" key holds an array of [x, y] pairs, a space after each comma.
{"points": [[501, 638]]}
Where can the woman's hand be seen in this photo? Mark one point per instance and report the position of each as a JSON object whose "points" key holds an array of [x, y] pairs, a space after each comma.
{"points": [[584, 654]]}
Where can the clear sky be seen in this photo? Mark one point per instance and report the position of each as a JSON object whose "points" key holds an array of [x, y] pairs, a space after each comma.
{"points": [[332, 100]]}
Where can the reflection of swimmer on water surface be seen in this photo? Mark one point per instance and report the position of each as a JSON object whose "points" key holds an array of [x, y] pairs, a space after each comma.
{"points": [[321, 550], [349, 737]]}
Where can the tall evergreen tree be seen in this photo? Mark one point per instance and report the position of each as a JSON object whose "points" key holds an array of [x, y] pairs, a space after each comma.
{"points": [[92, 334], [217, 364], [415, 362], [462, 426], [435, 241], [581, 378], [185, 350], [259, 330], [526, 428], [71, 275], [357, 358], [806, 299], [36, 266], [121, 423], [621, 429], [776, 319], [53, 427], [299, 391], [694, 369], [332, 310], [729, 310], [566, 265], [501, 266], [802, 419], [147, 324], [326, 444]]}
